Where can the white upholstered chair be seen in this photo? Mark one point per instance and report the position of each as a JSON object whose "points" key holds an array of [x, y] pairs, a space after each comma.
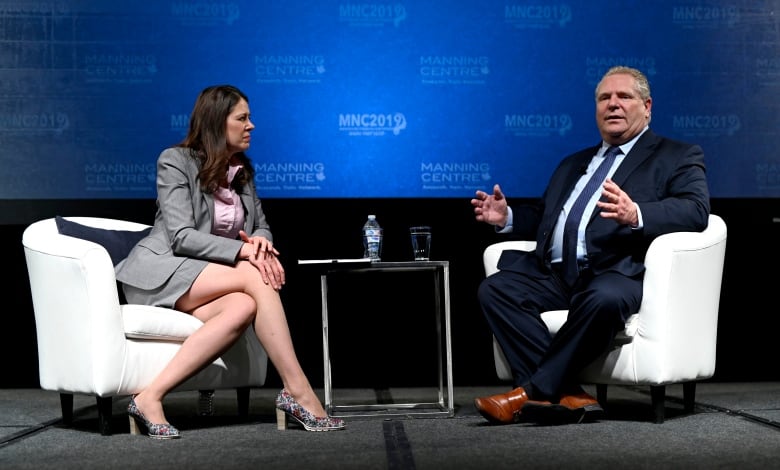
{"points": [[672, 338], [90, 344]]}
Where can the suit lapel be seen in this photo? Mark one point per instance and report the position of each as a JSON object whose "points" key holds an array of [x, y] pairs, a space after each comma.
{"points": [[208, 200], [641, 151], [576, 170]]}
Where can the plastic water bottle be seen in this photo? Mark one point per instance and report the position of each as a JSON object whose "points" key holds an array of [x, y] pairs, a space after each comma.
{"points": [[372, 239]]}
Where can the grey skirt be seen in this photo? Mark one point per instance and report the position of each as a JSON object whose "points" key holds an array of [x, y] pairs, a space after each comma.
{"points": [[167, 294]]}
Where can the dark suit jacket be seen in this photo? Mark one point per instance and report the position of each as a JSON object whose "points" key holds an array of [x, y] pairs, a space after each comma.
{"points": [[666, 178]]}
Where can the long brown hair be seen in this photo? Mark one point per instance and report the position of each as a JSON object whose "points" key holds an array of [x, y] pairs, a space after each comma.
{"points": [[206, 137]]}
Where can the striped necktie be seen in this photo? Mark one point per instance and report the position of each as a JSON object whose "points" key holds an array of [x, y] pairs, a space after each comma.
{"points": [[571, 227]]}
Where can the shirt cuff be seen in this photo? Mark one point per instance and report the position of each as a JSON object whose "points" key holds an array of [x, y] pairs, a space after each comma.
{"points": [[508, 227], [640, 224]]}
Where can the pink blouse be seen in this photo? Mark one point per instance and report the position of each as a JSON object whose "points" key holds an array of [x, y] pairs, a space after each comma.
{"points": [[228, 210]]}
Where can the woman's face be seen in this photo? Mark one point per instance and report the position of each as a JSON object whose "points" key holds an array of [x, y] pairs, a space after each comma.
{"points": [[238, 127]]}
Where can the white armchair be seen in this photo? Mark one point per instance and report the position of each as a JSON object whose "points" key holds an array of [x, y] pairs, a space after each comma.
{"points": [[90, 344], [672, 338]]}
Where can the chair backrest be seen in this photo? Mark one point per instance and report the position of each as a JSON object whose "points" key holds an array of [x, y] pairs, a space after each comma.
{"points": [[712, 238], [75, 302], [88, 343], [676, 327]]}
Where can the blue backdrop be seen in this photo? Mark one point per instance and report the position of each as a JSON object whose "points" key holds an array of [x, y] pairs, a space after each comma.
{"points": [[371, 99]]}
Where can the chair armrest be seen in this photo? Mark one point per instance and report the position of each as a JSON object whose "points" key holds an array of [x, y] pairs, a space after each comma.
{"points": [[493, 252], [76, 306], [681, 296]]}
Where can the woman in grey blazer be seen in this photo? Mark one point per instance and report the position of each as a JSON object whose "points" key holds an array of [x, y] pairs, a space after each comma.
{"points": [[211, 254]]}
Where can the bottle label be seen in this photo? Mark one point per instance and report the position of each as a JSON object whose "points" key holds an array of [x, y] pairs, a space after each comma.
{"points": [[372, 240], [373, 235]]}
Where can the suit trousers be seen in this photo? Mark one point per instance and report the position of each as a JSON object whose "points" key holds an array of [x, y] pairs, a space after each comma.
{"points": [[547, 365]]}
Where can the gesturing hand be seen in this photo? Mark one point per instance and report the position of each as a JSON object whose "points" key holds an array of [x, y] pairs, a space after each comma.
{"points": [[617, 205], [491, 208]]}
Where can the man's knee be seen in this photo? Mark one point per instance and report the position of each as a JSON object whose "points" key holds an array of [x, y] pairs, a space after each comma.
{"points": [[486, 291]]}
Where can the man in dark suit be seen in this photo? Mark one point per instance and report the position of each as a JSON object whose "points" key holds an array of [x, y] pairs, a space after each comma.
{"points": [[589, 253]]}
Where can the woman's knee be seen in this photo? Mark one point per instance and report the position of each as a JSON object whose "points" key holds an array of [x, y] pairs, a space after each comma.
{"points": [[242, 307], [252, 279], [248, 272]]}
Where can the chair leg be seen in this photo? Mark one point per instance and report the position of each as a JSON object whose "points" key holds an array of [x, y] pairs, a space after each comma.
{"points": [[242, 393], [689, 396], [104, 415], [206, 402], [601, 395], [658, 398], [66, 404]]}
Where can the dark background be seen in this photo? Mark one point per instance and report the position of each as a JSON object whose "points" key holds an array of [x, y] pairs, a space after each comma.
{"points": [[384, 334]]}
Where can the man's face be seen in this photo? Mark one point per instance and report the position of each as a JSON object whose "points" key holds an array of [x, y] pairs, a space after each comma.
{"points": [[238, 128], [621, 113]]}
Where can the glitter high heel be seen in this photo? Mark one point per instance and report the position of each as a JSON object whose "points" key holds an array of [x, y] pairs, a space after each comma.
{"points": [[155, 431], [286, 406]]}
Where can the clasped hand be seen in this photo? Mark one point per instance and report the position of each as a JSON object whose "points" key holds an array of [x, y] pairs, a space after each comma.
{"points": [[261, 253]]}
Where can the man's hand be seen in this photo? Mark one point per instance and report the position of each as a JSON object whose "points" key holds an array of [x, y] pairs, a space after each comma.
{"points": [[615, 204], [491, 208]]}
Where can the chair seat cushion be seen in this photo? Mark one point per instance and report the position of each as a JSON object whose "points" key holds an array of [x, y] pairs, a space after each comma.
{"points": [[554, 319], [157, 324]]}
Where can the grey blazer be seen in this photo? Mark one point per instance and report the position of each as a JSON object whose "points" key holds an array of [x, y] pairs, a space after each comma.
{"points": [[182, 231]]}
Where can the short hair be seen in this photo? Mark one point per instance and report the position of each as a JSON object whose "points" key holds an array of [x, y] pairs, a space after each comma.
{"points": [[642, 86]]}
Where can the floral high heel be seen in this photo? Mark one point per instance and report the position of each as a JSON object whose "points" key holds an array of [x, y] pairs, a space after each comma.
{"points": [[155, 431], [286, 406]]}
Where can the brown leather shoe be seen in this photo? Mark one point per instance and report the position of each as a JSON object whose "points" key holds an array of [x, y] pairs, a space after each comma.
{"points": [[503, 408], [580, 400], [571, 408], [591, 408]]}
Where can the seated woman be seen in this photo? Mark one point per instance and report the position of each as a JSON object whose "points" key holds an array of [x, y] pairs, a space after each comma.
{"points": [[210, 254]]}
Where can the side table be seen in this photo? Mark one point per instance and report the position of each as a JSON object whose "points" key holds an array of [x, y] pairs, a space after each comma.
{"points": [[440, 406]]}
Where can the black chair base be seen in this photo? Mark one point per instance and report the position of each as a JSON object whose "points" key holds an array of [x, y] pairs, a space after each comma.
{"points": [[657, 399], [104, 405]]}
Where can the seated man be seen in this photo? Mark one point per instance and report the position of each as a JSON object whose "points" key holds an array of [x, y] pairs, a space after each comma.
{"points": [[601, 209]]}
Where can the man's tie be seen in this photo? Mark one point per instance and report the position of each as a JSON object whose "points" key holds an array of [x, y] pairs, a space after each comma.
{"points": [[570, 228]]}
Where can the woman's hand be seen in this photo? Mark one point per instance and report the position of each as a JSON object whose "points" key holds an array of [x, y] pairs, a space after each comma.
{"points": [[257, 245], [261, 253]]}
